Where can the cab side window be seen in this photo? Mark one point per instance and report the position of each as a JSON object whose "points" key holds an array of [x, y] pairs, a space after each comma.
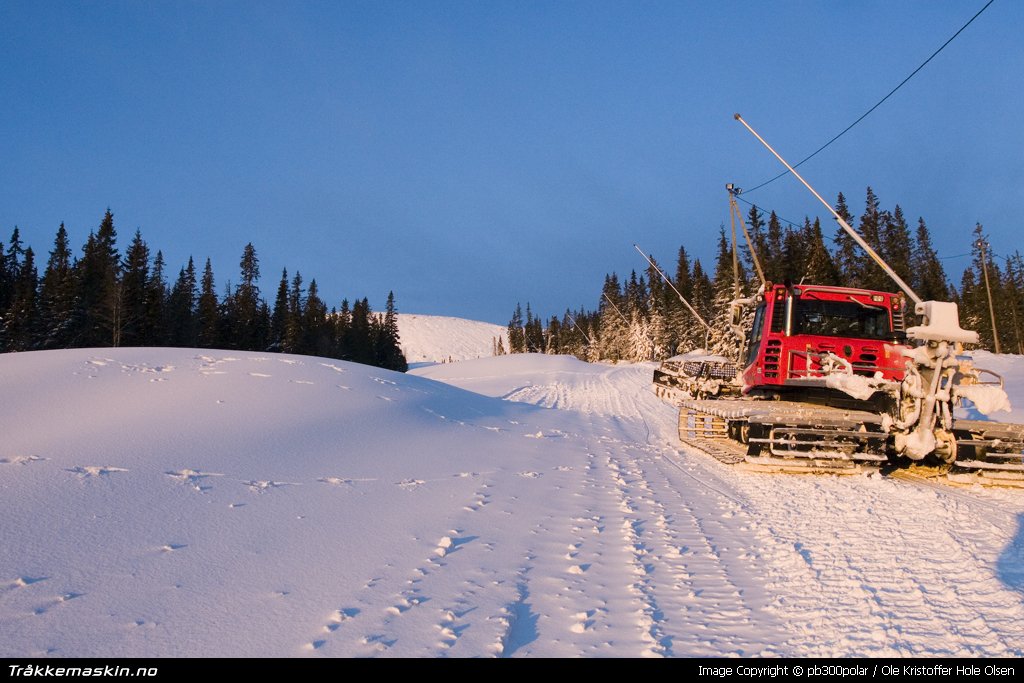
{"points": [[754, 342]]}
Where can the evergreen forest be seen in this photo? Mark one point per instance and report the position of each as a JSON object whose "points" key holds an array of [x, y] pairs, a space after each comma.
{"points": [[640, 317], [105, 298]]}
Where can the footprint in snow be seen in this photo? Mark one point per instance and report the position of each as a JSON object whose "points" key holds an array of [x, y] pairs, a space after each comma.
{"points": [[171, 547], [94, 470], [264, 486], [343, 481], [529, 475], [334, 367], [410, 484], [338, 617], [21, 582], [259, 374], [193, 478], [20, 460]]}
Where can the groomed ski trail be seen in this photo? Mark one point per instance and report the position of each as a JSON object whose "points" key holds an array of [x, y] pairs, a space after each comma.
{"points": [[850, 566]]}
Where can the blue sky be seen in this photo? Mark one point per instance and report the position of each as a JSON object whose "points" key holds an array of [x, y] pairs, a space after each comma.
{"points": [[470, 155]]}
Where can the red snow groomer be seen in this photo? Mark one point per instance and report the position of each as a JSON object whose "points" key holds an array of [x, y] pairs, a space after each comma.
{"points": [[831, 379], [801, 333]]}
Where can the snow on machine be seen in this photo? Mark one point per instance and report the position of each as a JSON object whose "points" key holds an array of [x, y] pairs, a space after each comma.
{"points": [[831, 379]]}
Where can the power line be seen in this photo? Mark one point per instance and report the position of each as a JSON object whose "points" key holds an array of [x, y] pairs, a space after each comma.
{"points": [[763, 210], [879, 103]]}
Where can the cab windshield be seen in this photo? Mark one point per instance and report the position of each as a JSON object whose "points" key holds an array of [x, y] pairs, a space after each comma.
{"points": [[840, 319]]}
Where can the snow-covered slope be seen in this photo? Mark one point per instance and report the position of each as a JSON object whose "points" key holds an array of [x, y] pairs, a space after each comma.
{"points": [[183, 502], [439, 339]]}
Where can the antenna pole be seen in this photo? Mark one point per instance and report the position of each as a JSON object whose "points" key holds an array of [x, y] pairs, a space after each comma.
{"points": [[991, 308], [669, 283], [853, 233], [616, 308], [735, 258], [734, 207], [577, 326]]}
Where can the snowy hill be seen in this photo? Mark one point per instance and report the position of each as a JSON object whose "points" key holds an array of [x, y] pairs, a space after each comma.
{"points": [[438, 339], [189, 503]]}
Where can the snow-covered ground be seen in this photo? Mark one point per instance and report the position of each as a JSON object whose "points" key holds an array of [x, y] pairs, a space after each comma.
{"points": [[184, 502], [440, 339]]}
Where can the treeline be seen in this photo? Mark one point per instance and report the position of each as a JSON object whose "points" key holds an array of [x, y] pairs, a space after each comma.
{"points": [[641, 318], [104, 298]]}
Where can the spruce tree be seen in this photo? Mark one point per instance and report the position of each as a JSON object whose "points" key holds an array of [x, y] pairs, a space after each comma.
{"points": [[516, 333], [721, 339], [820, 268], [1013, 288], [246, 302], [134, 283], [929, 277], [896, 248], [703, 301], [181, 308], [208, 311], [154, 324], [316, 338], [279, 317], [755, 227], [57, 296], [795, 253], [361, 345], [21, 324], [613, 327], [99, 300], [343, 327], [389, 347], [772, 256], [293, 334], [847, 252]]}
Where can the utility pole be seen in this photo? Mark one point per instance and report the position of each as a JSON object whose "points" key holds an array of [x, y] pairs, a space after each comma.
{"points": [[991, 309]]}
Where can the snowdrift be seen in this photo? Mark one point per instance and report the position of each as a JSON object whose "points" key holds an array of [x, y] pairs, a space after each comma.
{"points": [[183, 503], [439, 339]]}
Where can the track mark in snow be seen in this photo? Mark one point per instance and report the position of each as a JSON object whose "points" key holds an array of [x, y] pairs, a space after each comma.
{"points": [[410, 484], [259, 374], [86, 471], [529, 475], [300, 381], [521, 626]]}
